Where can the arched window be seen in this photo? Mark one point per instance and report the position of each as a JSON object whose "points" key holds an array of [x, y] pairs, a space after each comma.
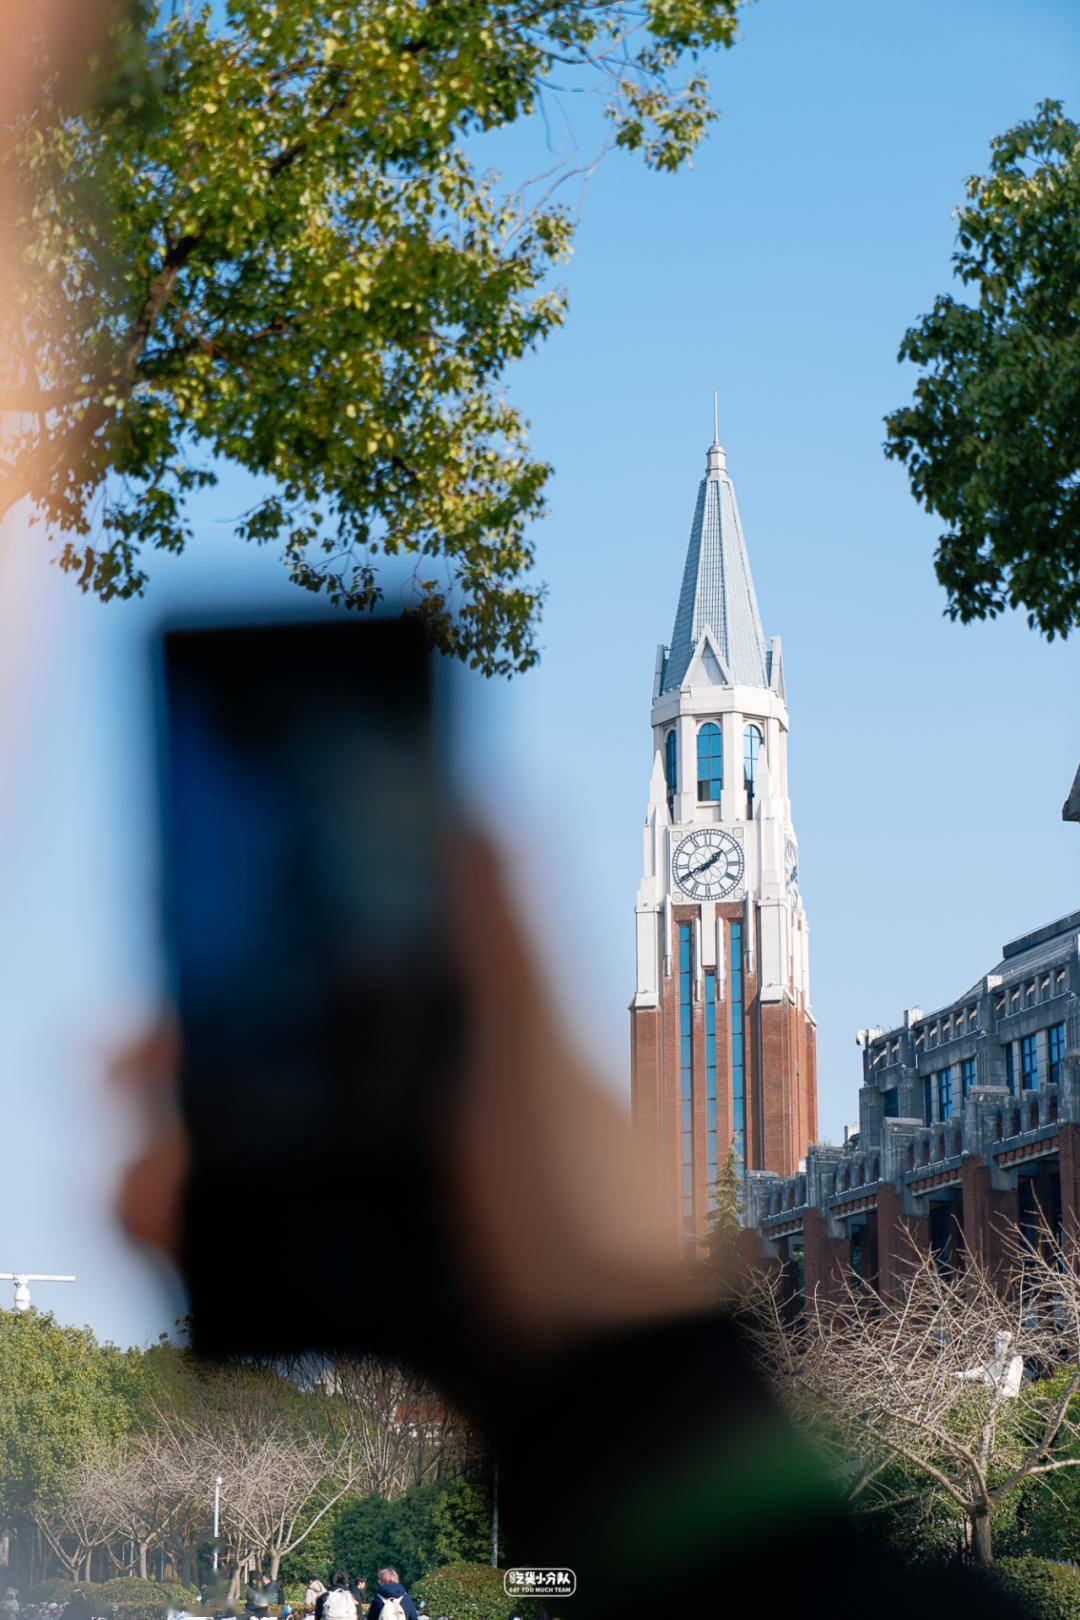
{"points": [[671, 766], [710, 761], [751, 749]]}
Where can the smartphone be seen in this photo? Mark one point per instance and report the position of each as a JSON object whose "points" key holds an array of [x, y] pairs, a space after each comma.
{"points": [[303, 793]]}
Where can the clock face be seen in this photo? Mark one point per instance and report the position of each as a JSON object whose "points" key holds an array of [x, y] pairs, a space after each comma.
{"points": [[791, 867], [708, 864]]}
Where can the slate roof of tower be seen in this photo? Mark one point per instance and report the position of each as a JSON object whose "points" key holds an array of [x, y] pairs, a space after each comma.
{"points": [[717, 588]]}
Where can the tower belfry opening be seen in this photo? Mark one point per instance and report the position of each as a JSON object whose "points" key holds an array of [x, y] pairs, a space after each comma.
{"points": [[722, 1031]]}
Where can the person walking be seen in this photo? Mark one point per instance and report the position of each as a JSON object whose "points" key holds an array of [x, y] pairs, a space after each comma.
{"points": [[391, 1601], [312, 1593], [338, 1603]]}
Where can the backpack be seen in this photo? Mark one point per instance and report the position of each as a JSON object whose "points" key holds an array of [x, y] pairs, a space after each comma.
{"points": [[340, 1604], [392, 1609]]}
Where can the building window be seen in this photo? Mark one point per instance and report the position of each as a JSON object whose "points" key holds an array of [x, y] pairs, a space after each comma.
{"points": [[738, 1067], [1000, 1009], [928, 1100], [710, 761], [671, 767], [892, 1102], [1059, 982], [751, 750], [944, 1093], [686, 1079], [1029, 994], [1055, 1053], [1029, 1064], [1010, 1070], [967, 1075], [894, 1052], [1014, 1000], [1044, 987], [711, 1144]]}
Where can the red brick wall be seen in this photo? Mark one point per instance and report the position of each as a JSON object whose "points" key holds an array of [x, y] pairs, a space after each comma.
{"points": [[987, 1209], [1069, 1163], [826, 1259], [789, 1090]]}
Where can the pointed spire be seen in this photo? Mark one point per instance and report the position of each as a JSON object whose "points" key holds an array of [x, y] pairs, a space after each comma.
{"points": [[716, 460], [717, 589]]}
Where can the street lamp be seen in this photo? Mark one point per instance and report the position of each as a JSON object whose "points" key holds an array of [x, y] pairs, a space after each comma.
{"points": [[22, 1281], [217, 1517]]}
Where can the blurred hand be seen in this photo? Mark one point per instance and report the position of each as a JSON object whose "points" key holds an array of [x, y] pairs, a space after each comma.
{"points": [[548, 1197]]}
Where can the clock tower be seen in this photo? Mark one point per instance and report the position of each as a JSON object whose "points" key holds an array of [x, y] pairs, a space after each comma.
{"points": [[722, 1035]]}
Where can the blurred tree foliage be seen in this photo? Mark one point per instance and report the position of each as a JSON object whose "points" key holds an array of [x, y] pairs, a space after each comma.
{"points": [[265, 241], [992, 438]]}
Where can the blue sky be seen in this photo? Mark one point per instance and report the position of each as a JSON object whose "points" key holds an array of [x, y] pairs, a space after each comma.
{"points": [[928, 761]]}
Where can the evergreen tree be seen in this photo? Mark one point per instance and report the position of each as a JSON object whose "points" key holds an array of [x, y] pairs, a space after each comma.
{"points": [[723, 1227]]}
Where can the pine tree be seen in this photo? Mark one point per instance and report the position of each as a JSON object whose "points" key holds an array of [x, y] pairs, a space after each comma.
{"points": [[723, 1227]]}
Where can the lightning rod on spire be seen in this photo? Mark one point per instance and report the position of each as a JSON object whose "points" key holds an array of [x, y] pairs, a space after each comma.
{"points": [[715, 418]]}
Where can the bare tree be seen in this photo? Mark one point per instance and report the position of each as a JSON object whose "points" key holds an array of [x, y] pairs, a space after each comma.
{"points": [[148, 1492], [403, 1430], [282, 1464], [76, 1524], [949, 1384]]}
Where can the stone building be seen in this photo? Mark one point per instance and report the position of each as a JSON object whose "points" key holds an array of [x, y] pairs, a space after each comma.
{"points": [[969, 1117], [722, 1033]]}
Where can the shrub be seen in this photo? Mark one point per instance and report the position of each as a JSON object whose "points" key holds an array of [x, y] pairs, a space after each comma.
{"points": [[57, 1590], [1047, 1591], [470, 1592], [133, 1598]]}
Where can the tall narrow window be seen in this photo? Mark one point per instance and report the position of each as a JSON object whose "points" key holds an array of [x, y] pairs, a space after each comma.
{"points": [[711, 1144], [671, 766], [1010, 1072], [686, 1080], [1029, 1064], [751, 750], [967, 1075], [1055, 1053], [944, 1093], [892, 1103], [928, 1099], [738, 1066], [710, 761]]}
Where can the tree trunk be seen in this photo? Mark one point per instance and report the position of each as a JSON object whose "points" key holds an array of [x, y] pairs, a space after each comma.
{"points": [[144, 1571], [275, 1564], [982, 1547]]}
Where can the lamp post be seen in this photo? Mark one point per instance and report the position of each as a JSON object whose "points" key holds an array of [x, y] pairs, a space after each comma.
{"points": [[217, 1517], [22, 1281]]}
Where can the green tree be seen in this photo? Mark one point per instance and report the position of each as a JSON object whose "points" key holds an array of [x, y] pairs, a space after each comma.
{"points": [[462, 1521], [266, 241], [992, 438], [723, 1227], [62, 1395]]}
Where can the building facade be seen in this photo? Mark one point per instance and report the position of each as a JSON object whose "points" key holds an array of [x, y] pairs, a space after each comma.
{"points": [[722, 1033], [969, 1120]]}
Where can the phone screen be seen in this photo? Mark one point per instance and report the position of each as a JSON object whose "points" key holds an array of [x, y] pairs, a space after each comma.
{"points": [[304, 914]]}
